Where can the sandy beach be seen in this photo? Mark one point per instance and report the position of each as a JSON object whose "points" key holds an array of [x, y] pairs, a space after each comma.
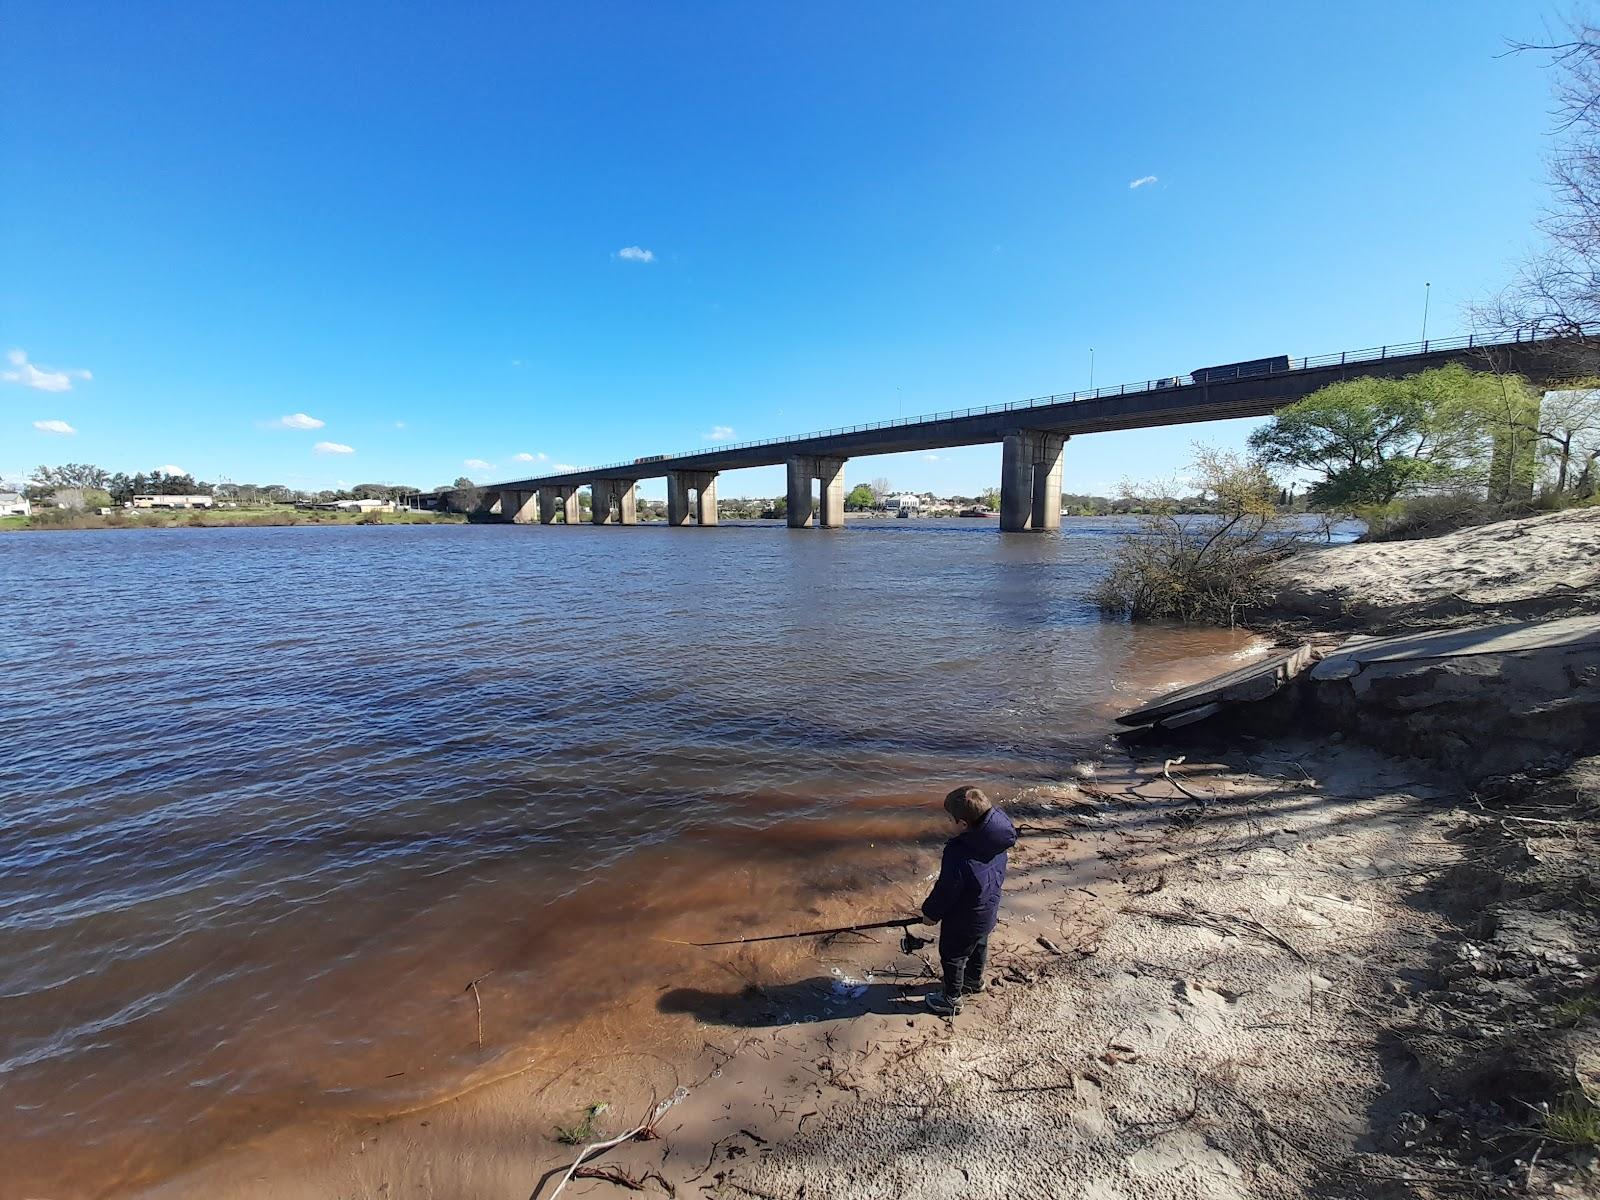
{"points": [[1189, 984]]}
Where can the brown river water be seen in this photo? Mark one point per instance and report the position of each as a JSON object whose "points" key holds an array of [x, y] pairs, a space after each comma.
{"points": [[269, 798]]}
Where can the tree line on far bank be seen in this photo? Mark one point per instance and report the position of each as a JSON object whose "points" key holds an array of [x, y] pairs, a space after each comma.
{"points": [[101, 488]]}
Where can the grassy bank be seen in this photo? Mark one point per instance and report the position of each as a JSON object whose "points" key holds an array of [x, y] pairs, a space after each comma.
{"points": [[264, 515]]}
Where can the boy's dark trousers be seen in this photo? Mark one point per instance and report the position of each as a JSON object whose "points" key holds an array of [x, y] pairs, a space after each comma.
{"points": [[963, 966]]}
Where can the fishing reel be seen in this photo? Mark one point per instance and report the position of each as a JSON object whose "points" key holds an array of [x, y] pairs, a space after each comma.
{"points": [[910, 943]]}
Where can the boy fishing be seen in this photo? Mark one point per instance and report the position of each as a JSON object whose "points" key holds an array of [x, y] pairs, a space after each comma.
{"points": [[965, 901]]}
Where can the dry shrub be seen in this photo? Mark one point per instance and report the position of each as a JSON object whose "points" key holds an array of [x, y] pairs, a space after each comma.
{"points": [[1205, 567]]}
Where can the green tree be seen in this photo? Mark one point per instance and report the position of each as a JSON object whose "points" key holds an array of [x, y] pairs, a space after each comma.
{"points": [[861, 497], [47, 480], [1568, 428], [1370, 440], [464, 496]]}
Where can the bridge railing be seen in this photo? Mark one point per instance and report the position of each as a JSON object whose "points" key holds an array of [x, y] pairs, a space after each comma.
{"points": [[654, 465]]}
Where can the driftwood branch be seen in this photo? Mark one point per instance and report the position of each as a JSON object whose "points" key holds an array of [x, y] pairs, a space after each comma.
{"points": [[472, 987], [589, 1151], [621, 1178], [1166, 772]]}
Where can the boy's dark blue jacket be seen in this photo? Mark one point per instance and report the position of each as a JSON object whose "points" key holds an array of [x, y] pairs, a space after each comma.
{"points": [[966, 899]]}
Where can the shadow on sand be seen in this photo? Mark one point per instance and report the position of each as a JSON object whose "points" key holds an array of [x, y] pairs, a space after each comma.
{"points": [[821, 999]]}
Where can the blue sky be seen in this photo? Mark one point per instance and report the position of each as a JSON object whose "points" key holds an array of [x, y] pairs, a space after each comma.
{"points": [[412, 223]]}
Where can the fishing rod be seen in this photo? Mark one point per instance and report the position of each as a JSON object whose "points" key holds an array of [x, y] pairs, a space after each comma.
{"points": [[901, 923]]}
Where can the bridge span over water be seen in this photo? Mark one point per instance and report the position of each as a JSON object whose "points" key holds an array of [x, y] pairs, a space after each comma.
{"points": [[1032, 434]]}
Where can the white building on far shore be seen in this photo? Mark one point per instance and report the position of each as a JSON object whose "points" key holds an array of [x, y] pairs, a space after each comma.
{"points": [[173, 502], [15, 504]]}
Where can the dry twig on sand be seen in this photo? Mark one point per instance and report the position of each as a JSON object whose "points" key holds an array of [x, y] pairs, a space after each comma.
{"points": [[1166, 773], [472, 987], [621, 1178], [645, 1128]]}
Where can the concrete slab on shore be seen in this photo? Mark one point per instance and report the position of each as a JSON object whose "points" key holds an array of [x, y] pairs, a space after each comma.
{"points": [[1256, 681], [1517, 637]]}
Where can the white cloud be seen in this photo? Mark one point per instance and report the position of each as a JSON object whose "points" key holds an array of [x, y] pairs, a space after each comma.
{"points": [[1142, 181], [563, 467], [332, 448], [298, 421], [170, 469], [636, 254], [477, 464], [524, 456], [933, 458], [53, 427], [720, 433], [43, 379], [399, 424]]}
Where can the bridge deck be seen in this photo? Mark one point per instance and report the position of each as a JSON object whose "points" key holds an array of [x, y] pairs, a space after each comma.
{"points": [[1176, 401]]}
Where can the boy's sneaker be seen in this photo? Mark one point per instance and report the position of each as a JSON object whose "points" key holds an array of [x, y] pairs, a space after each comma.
{"points": [[976, 989], [945, 1006]]}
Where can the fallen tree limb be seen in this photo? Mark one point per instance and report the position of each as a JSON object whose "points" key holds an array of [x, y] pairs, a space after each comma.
{"points": [[589, 1151], [621, 1178], [1166, 773]]}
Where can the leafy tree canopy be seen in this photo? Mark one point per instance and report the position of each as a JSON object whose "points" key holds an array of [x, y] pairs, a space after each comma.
{"points": [[861, 496], [1369, 440]]}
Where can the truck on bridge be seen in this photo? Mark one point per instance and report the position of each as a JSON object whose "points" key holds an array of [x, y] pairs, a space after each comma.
{"points": [[1240, 370]]}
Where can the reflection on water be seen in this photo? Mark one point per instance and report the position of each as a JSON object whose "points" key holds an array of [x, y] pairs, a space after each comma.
{"points": [[278, 793]]}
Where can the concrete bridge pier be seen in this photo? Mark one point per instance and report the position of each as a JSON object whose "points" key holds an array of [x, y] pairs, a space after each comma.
{"points": [[558, 499], [614, 502], [829, 472], [521, 507], [1030, 480], [704, 486]]}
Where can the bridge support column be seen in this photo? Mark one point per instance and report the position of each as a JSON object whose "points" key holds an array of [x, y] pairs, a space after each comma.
{"points": [[704, 486], [626, 492], [799, 506], [705, 494], [522, 506], [556, 500], [829, 472], [830, 476], [677, 500], [1030, 480], [600, 502]]}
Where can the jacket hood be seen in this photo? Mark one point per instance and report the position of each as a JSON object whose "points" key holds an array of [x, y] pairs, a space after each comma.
{"points": [[991, 836]]}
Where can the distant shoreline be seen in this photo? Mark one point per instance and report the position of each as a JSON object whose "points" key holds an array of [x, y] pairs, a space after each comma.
{"points": [[276, 518]]}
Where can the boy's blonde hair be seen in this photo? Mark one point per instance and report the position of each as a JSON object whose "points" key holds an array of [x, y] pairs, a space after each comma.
{"points": [[968, 805]]}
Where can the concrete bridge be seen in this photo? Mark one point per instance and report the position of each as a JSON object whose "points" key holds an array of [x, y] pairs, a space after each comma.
{"points": [[1032, 434]]}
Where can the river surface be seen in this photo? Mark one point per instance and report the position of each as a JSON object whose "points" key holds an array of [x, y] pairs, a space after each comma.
{"points": [[269, 798]]}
